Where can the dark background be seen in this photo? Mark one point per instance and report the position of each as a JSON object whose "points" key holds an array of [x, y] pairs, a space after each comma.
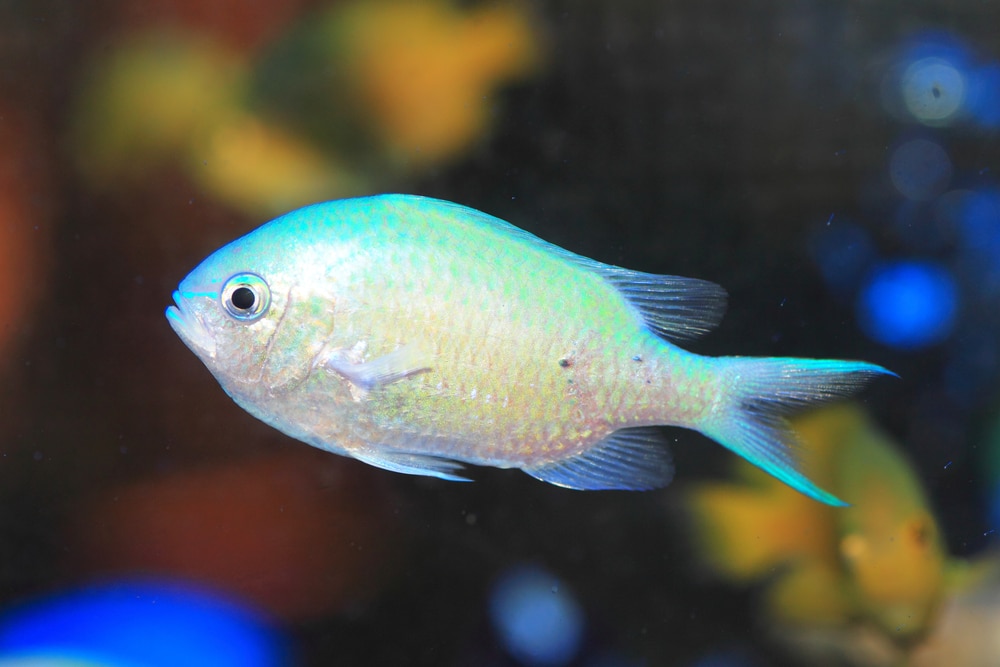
{"points": [[707, 139]]}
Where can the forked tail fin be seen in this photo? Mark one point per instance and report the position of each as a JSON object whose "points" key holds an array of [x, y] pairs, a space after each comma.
{"points": [[756, 393]]}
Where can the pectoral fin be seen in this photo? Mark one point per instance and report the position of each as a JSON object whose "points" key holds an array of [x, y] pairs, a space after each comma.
{"points": [[368, 375]]}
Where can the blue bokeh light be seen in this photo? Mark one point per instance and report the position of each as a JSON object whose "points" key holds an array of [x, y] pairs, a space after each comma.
{"points": [[908, 304], [933, 90], [936, 43], [931, 79], [976, 216], [920, 169], [129, 623], [983, 97], [979, 223], [935, 80], [536, 618], [843, 250]]}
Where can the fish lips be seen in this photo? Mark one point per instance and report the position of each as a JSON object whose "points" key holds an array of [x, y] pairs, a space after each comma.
{"points": [[190, 327]]}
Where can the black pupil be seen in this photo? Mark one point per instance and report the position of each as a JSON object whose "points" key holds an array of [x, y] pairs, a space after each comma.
{"points": [[243, 298]]}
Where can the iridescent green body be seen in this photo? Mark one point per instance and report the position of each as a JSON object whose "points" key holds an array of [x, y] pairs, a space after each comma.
{"points": [[414, 334]]}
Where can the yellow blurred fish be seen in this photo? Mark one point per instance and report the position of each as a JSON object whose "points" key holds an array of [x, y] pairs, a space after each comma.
{"points": [[879, 561]]}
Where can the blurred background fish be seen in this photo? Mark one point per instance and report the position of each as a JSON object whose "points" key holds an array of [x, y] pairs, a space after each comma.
{"points": [[356, 94], [865, 583]]}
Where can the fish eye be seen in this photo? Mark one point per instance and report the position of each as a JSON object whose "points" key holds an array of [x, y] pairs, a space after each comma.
{"points": [[246, 297]]}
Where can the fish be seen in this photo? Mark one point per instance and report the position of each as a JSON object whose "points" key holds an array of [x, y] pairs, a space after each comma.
{"points": [[419, 335], [882, 562]]}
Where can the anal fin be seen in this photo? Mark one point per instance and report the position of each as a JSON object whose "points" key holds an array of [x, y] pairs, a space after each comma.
{"points": [[411, 463], [636, 459]]}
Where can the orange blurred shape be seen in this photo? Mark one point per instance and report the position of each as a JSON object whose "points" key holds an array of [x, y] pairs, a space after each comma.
{"points": [[295, 534], [240, 24], [23, 223], [426, 70]]}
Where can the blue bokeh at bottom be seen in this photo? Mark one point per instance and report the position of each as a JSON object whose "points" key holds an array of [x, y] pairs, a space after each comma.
{"points": [[538, 621], [137, 622]]}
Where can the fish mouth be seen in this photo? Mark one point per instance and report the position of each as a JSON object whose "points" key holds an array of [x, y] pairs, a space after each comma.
{"points": [[190, 327]]}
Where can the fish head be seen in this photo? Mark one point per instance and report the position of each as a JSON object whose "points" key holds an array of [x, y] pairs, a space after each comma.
{"points": [[226, 322], [229, 309]]}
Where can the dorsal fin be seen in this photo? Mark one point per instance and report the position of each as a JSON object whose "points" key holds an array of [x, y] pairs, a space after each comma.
{"points": [[672, 306]]}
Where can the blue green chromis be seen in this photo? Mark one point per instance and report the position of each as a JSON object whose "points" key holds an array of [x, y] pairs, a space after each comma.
{"points": [[417, 335]]}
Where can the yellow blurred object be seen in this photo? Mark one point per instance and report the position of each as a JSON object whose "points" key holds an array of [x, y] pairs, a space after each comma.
{"points": [[260, 167], [150, 99], [172, 98], [399, 85], [878, 562], [426, 70]]}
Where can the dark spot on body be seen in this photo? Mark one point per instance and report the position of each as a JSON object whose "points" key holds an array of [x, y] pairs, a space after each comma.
{"points": [[565, 362], [637, 357]]}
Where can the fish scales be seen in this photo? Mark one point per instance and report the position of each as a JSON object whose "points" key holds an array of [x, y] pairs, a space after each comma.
{"points": [[491, 307], [417, 335]]}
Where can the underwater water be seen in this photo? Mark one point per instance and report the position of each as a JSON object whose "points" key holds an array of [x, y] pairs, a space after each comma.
{"points": [[832, 165]]}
